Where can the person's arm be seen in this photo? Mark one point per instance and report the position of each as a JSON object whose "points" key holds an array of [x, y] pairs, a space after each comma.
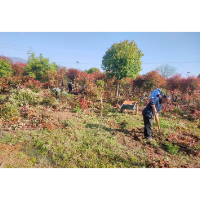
{"points": [[155, 112]]}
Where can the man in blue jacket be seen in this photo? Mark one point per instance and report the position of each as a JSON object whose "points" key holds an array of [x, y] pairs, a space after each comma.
{"points": [[152, 109]]}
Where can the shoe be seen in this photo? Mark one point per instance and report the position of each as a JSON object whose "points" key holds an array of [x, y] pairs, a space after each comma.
{"points": [[148, 138]]}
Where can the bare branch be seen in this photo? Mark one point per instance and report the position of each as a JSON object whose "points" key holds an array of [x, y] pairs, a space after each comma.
{"points": [[166, 70]]}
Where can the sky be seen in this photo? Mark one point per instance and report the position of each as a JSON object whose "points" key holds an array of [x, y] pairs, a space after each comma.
{"points": [[177, 49]]}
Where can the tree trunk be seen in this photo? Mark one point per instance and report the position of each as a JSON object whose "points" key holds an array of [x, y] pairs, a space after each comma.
{"points": [[117, 89], [62, 82], [101, 113]]}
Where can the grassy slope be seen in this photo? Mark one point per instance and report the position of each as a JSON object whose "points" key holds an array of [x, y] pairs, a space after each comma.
{"points": [[119, 143]]}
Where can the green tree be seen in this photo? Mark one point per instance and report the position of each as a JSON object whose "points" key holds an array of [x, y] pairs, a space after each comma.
{"points": [[55, 66], [5, 67], [198, 76], [122, 60], [37, 67], [91, 70]]}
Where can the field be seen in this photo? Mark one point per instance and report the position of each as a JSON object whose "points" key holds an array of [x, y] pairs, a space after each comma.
{"points": [[43, 125], [60, 134]]}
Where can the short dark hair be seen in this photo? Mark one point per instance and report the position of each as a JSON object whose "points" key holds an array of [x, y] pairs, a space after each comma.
{"points": [[166, 96]]}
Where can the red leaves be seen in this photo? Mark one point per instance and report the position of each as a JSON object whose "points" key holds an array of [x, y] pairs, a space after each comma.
{"points": [[171, 136], [173, 82], [32, 83], [150, 80], [18, 68], [72, 74], [196, 114], [185, 85], [6, 58], [83, 103], [158, 161]]}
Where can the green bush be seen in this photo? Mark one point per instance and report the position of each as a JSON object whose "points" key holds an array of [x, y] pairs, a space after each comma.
{"points": [[107, 108], [77, 109], [48, 101], [64, 93], [172, 149], [68, 123], [2, 98], [9, 110], [25, 97]]}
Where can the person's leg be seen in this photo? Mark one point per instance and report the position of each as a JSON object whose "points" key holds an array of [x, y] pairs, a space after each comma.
{"points": [[145, 130], [147, 126]]}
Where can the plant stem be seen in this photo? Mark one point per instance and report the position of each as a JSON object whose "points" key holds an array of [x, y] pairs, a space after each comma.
{"points": [[101, 113]]}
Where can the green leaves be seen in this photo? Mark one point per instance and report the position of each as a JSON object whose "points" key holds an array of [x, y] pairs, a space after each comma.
{"points": [[37, 67], [122, 60], [5, 67], [91, 70], [172, 149]]}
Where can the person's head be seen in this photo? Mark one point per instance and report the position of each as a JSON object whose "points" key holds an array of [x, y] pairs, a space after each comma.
{"points": [[165, 99]]}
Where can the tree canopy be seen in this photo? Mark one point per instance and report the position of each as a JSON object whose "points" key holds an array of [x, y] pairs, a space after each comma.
{"points": [[122, 60], [38, 66], [5, 67], [91, 70]]}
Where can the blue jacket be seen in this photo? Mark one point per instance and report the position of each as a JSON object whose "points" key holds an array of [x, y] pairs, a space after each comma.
{"points": [[148, 111]]}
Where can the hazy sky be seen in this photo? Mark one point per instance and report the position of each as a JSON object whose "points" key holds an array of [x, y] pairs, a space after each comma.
{"points": [[178, 49]]}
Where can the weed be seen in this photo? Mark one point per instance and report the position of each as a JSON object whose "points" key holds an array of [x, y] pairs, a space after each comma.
{"points": [[197, 147], [171, 148], [165, 133], [164, 124], [77, 109], [154, 143], [123, 124], [9, 110]]}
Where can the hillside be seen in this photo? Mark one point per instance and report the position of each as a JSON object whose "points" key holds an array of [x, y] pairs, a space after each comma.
{"points": [[16, 59]]}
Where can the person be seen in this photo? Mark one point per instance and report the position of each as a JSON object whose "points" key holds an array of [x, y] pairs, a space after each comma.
{"points": [[156, 93], [57, 91], [153, 108], [70, 87], [83, 90]]}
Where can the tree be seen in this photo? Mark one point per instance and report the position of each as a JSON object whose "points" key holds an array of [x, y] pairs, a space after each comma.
{"points": [[55, 66], [173, 83], [150, 81], [18, 68], [139, 82], [61, 75], [166, 70], [198, 76], [72, 74], [154, 80], [5, 67], [122, 60], [37, 67], [91, 70], [189, 84]]}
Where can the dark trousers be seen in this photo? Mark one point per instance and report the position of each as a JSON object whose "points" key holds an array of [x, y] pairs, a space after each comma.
{"points": [[70, 90], [147, 126]]}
